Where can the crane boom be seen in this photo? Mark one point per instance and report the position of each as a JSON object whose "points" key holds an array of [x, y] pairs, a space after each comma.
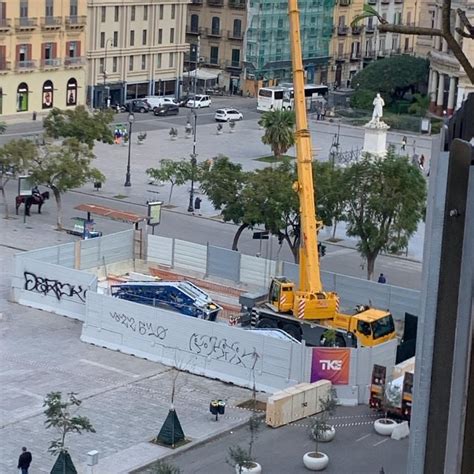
{"points": [[309, 272]]}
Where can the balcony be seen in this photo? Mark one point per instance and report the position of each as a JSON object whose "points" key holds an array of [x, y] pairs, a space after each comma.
{"points": [[344, 3], [26, 66], [342, 30], [369, 29], [356, 30], [384, 2], [356, 56], [51, 22], [215, 3], [196, 2], [233, 64], [213, 32], [372, 2], [76, 22], [398, 1], [26, 23], [237, 4], [192, 31], [5, 24], [77, 61], [50, 63], [5, 66], [235, 35]]}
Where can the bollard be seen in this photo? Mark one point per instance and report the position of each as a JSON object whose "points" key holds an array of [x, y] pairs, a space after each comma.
{"points": [[34, 115]]}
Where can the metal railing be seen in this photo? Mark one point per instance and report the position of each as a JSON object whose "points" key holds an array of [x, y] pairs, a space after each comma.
{"points": [[214, 32], [26, 23], [192, 31], [5, 23], [232, 64], [237, 4], [235, 35], [342, 30], [51, 63], [27, 64], [357, 30], [74, 61], [76, 21], [5, 65], [215, 3], [51, 22]]}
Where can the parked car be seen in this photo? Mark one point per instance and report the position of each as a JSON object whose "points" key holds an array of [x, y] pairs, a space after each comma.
{"points": [[185, 99], [228, 115], [137, 105], [166, 109], [158, 101], [199, 101]]}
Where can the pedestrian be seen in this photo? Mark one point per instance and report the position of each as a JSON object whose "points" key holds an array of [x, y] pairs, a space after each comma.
{"points": [[404, 143], [422, 162], [382, 279], [323, 112], [197, 205], [24, 460]]}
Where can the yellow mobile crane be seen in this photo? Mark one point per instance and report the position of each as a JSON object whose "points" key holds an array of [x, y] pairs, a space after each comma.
{"points": [[307, 312]]}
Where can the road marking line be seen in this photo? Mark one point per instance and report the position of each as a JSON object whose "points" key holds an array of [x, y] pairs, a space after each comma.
{"points": [[108, 367], [363, 437], [380, 442]]}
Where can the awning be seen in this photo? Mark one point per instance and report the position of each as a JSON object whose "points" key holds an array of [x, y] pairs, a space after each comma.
{"points": [[114, 214], [203, 74]]}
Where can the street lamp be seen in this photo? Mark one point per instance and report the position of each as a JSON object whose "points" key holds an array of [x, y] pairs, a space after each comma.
{"points": [[131, 119], [193, 165], [104, 72]]}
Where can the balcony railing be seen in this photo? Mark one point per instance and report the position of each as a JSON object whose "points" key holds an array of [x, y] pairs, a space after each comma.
{"points": [[76, 22], [215, 3], [5, 24], [26, 23], [344, 3], [74, 62], [235, 35], [357, 30], [215, 33], [5, 66], [237, 4], [196, 2], [369, 29], [50, 63], [372, 2], [26, 65], [356, 56], [342, 30], [192, 31], [233, 64], [51, 22]]}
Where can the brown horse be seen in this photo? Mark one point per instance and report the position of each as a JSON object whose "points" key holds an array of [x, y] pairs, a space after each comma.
{"points": [[30, 200]]}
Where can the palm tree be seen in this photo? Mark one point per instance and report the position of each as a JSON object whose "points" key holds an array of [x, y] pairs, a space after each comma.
{"points": [[279, 130], [419, 105]]}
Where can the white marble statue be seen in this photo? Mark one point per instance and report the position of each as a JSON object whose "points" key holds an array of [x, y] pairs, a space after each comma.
{"points": [[378, 104]]}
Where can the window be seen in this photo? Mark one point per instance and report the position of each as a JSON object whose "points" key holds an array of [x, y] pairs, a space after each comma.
{"points": [[195, 23], [49, 8], [280, 23], [23, 54], [116, 13], [409, 18], [342, 21], [48, 52], [382, 45], [171, 60], [340, 50], [130, 63], [215, 25], [143, 61], [22, 98], [102, 66], [161, 12], [236, 58], [73, 7], [160, 36], [103, 14], [214, 55], [173, 11], [114, 64], [158, 60], [71, 92], [132, 37], [237, 28], [115, 39], [102, 40], [145, 12], [144, 37], [171, 35], [72, 49], [132, 13], [24, 14]]}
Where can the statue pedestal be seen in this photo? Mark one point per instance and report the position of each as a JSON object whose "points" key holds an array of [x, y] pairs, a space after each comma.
{"points": [[375, 138]]}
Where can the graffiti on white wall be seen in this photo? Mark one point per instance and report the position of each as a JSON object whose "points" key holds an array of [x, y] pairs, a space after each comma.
{"points": [[138, 326], [48, 286]]}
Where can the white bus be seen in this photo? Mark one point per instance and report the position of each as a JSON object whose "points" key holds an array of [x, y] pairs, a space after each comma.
{"points": [[282, 97]]}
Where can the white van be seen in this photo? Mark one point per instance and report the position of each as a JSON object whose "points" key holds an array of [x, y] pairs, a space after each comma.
{"points": [[159, 101], [199, 101]]}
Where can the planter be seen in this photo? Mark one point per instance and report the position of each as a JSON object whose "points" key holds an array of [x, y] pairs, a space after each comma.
{"points": [[256, 469], [174, 138], [315, 461], [327, 435], [384, 426]]}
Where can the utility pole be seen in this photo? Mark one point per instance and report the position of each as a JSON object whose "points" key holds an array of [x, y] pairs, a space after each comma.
{"points": [[198, 52]]}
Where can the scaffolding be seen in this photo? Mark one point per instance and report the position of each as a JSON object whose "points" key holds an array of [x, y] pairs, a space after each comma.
{"points": [[267, 48]]}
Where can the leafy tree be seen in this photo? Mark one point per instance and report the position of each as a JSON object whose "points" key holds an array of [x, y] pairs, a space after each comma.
{"points": [[330, 193], [60, 415], [387, 202], [15, 158], [446, 31], [321, 426], [393, 77], [420, 105], [176, 172], [64, 167], [279, 130]]}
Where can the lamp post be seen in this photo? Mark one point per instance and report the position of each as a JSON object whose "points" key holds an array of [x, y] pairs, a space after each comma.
{"points": [[131, 119], [193, 165], [104, 72]]}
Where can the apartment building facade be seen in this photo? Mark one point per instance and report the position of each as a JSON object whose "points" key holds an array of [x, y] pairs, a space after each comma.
{"points": [[215, 32], [42, 62], [135, 48]]}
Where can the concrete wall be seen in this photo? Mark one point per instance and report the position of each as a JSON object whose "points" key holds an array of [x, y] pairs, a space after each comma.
{"points": [[51, 287], [214, 350]]}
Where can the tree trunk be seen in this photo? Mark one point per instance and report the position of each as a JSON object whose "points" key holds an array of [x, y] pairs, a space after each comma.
{"points": [[334, 226], [4, 197], [171, 193], [237, 236], [59, 216], [370, 266]]}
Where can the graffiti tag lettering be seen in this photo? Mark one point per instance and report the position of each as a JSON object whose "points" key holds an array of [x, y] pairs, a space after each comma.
{"points": [[143, 328], [45, 286], [220, 349]]}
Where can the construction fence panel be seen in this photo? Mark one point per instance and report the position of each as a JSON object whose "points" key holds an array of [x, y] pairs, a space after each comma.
{"points": [[256, 271], [59, 255], [51, 287], [190, 256], [211, 349], [223, 263], [160, 250], [403, 300]]}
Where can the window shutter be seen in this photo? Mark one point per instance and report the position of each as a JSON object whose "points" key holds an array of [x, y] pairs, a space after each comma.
{"points": [[18, 46], [67, 48], [55, 51], [78, 48], [3, 10], [43, 50], [28, 52]]}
